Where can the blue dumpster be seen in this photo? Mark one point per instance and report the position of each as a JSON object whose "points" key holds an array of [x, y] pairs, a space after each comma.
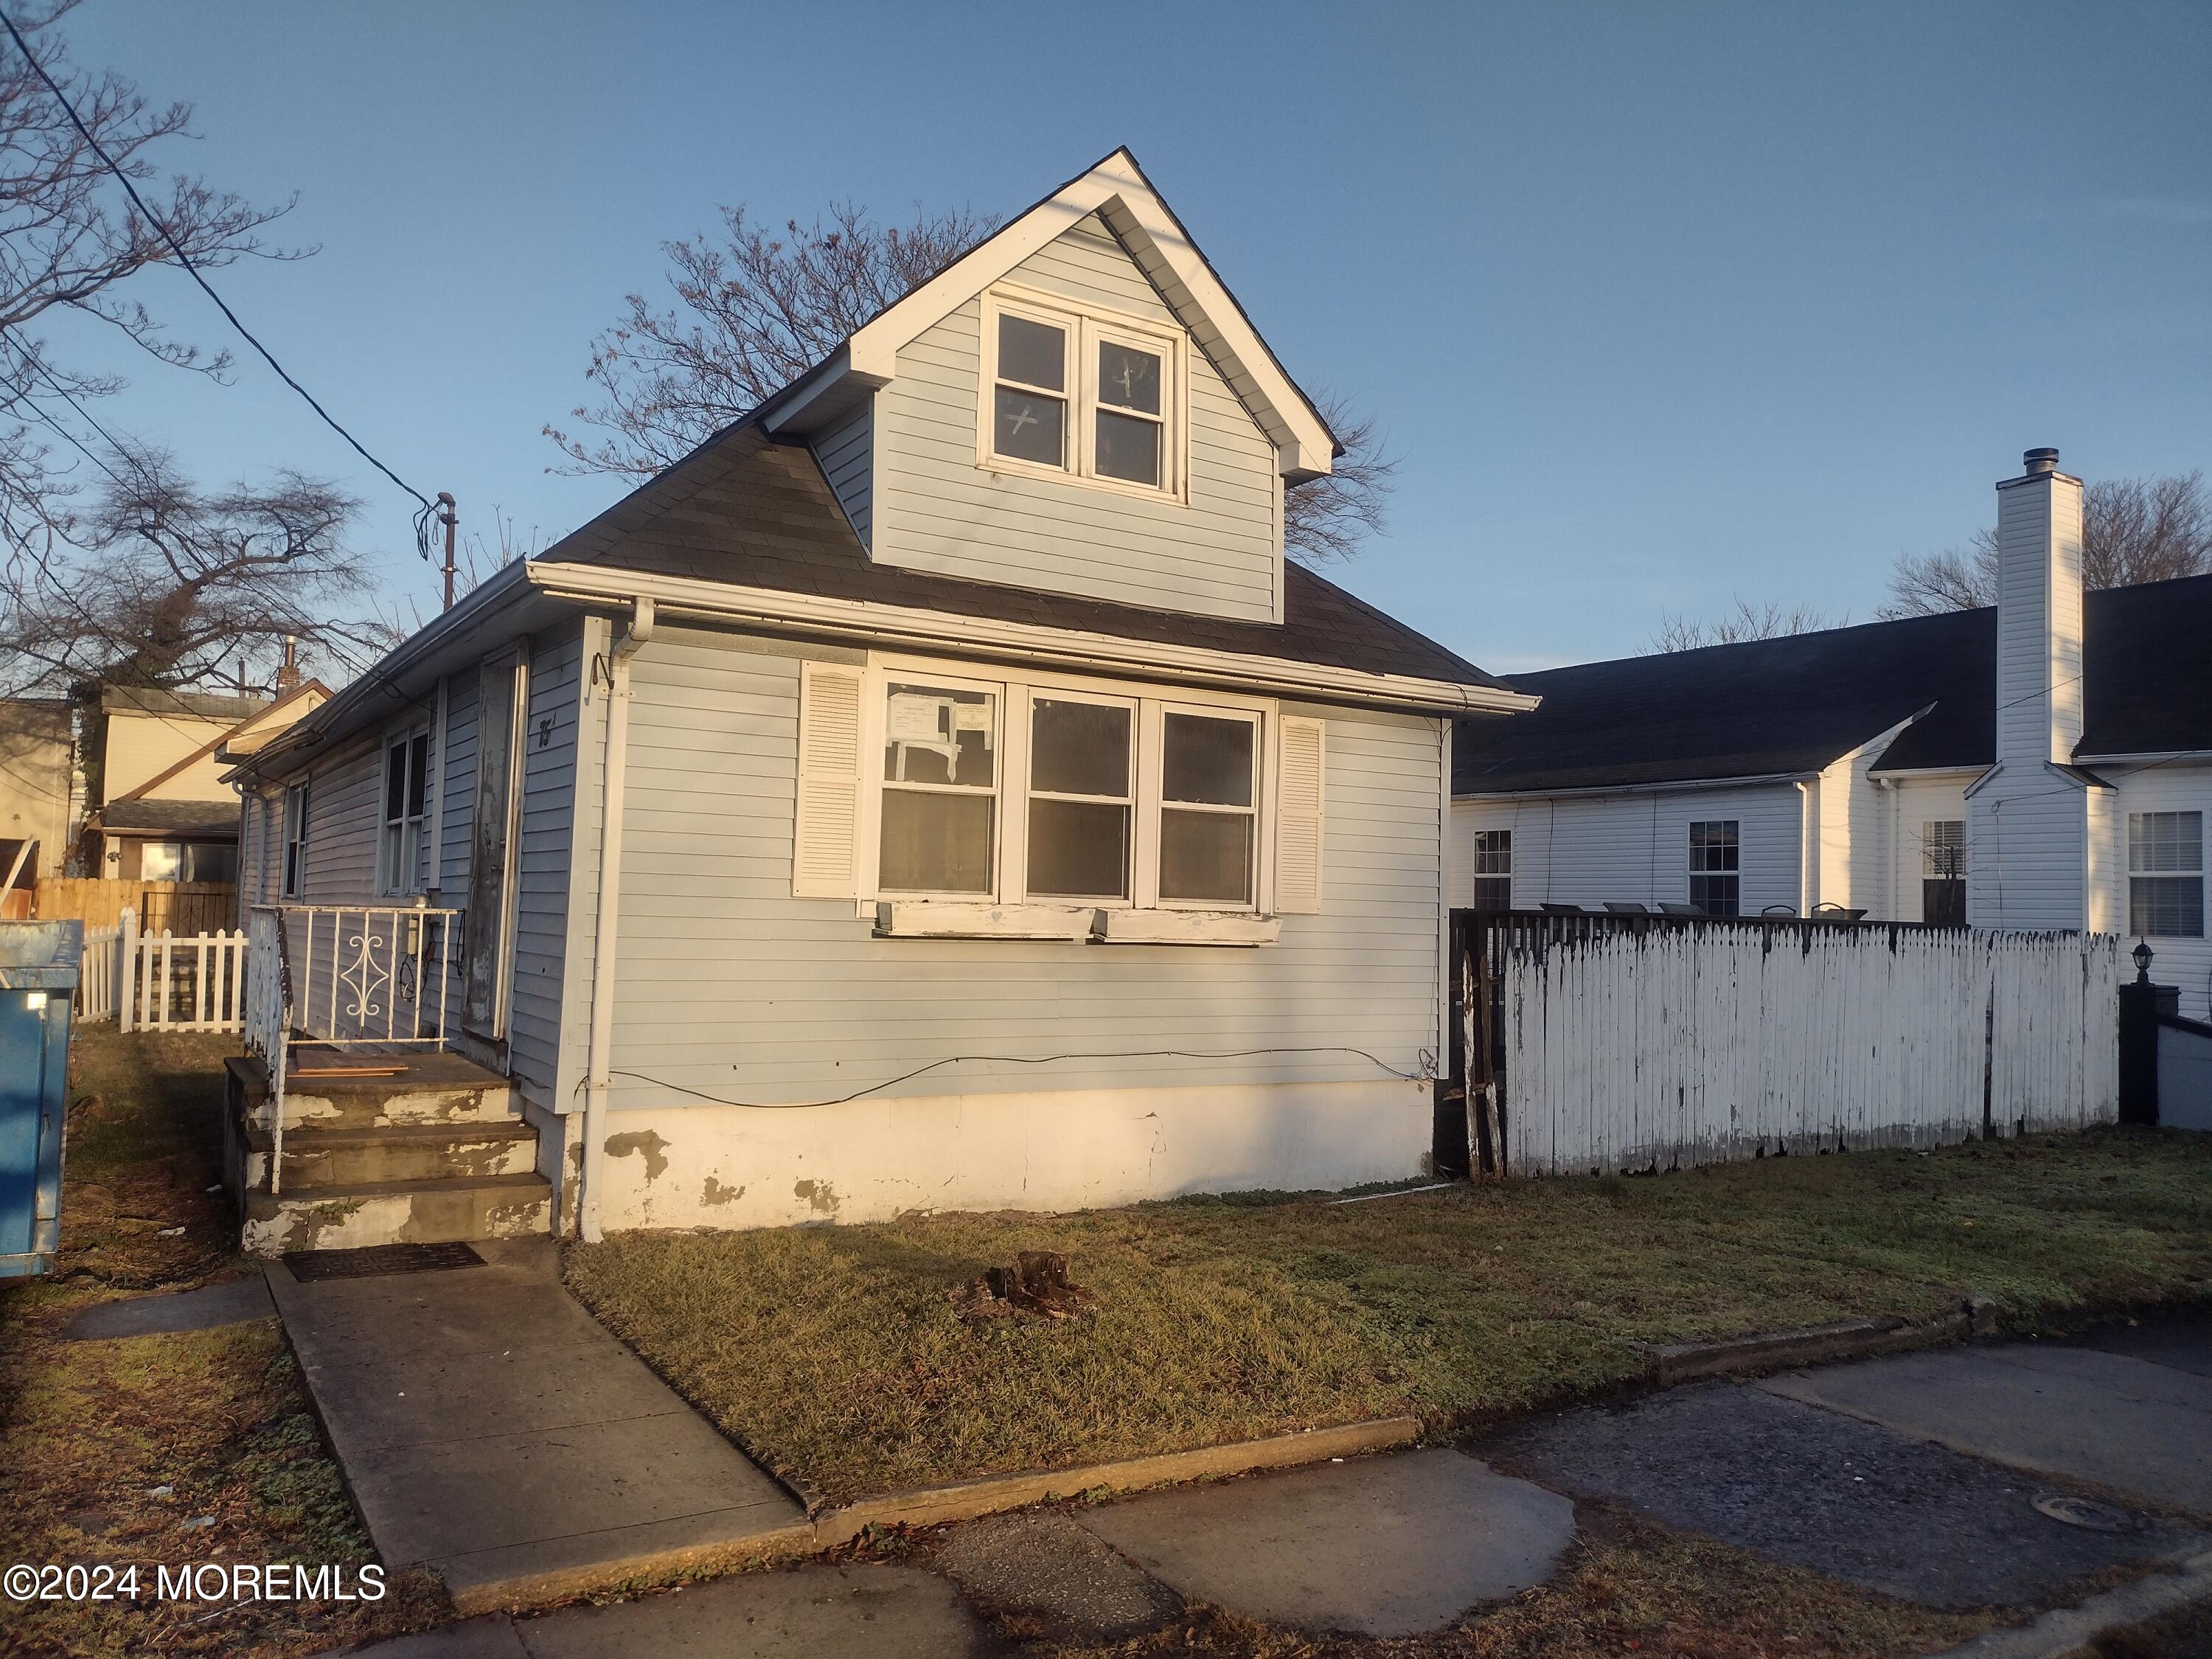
{"points": [[38, 963]]}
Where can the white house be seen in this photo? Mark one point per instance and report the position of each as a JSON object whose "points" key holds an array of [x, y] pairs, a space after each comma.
{"points": [[2044, 763], [936, 791]]}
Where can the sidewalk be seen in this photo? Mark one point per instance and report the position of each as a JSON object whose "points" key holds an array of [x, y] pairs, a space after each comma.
{"points": [[491, 1430], [1843, 1469]]}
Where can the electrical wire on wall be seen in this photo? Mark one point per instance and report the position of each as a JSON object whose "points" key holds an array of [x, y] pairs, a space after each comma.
{"points": [[1425, 1060]]}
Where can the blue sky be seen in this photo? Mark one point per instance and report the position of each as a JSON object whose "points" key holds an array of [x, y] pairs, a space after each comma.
{"points": [[1659, 304]]}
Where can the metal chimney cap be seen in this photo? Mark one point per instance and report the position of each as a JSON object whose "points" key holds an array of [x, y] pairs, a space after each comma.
{"points": [[2040, 460]]}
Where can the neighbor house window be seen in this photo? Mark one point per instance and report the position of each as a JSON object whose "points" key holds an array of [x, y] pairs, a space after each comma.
{"points": [[1943, 872], [1209, 810], [2166, 874], [1082, 797], [1493, 869], [211, 860], [406, 785], [1091, 397], [161, 860], [1716, 884], [940, 789], [296, 838]]}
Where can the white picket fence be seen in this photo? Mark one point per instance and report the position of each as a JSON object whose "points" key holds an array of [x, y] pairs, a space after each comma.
{"points": [[162, 982], [1666, 1048]]}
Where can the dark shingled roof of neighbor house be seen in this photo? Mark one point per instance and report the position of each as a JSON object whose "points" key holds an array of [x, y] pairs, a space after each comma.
{"points": [[754, 513], [1798, 704], [172, 818]]}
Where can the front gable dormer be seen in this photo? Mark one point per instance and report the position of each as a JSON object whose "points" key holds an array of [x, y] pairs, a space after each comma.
{"points": [[1076, 406]]}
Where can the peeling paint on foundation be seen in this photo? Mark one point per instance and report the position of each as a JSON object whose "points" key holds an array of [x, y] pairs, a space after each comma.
{"points": [[821, 1197], [715, 1193], [641, 1140]]}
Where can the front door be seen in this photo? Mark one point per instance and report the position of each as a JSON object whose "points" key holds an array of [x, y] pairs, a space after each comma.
{"points": [[490, 924]]}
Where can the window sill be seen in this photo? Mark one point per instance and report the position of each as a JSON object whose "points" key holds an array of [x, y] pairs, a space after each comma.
{"points": [[1077, 924], [1185, 928], [951, 918]]}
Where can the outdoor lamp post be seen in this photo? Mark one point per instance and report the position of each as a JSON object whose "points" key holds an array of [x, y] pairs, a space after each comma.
{"points": [[2142, 954]]}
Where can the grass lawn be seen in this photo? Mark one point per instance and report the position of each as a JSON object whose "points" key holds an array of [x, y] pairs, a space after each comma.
{"points": [[833, 1354], [89, 1429]]}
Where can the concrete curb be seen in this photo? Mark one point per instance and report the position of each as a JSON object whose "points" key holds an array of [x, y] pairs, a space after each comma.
{"points": [[965, 1500], [933, 1505], [2067, 1630], [1816, 1345]]}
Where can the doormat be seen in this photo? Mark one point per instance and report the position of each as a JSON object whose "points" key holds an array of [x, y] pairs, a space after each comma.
{"points": [[374, 1260]]}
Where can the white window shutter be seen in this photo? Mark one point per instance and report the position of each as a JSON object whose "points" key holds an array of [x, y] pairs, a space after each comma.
{"points": [[1301, 756], [825, 844]]}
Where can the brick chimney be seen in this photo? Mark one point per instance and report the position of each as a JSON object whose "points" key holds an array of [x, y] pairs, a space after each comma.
{"points": [[288, 672], [2039, 613]]}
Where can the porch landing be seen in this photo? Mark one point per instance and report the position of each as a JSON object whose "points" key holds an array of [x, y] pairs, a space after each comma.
{"points": [[491, 1430]]}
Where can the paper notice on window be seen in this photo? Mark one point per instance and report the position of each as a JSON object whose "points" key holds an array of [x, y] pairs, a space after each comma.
{"points": [[972, 717], [915, 719]]}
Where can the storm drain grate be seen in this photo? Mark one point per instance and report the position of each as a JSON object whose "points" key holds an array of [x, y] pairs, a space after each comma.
{"points": [[374, 1260]]}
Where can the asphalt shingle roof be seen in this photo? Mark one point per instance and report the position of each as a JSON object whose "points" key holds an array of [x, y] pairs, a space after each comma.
{"points": [[1798, 704], [754, 513]]}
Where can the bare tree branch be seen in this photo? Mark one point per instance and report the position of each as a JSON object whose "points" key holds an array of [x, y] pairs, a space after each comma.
{"points": [[170, 585], [754, 312], [2133, 531], [1746, 622], [70, 238], [1330, 518], [755, 309]]}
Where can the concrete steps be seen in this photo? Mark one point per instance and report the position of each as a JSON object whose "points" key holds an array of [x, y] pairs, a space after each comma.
{"points": [[437, 1211], [437, 1153], [317, 1158]]}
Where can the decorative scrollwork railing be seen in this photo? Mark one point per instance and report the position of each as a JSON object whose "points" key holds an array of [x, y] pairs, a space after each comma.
{"points": [[374, 975]]}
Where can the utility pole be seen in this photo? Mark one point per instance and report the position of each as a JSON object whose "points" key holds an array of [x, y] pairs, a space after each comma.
{"points": [[449, 518]]}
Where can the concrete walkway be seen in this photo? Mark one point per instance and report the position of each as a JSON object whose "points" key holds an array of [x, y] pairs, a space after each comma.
{"points": [[490, 1429], [1916, 1476]]}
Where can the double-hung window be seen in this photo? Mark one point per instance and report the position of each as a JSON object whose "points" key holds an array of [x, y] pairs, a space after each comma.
{"points": [[1715, 881], [406, 786], [2166, 874], [1493, 869], [1209, 807], [1082, 797], [1068, 794], [941, 796], [1943, 872], [295, 838], [1083, 396]]}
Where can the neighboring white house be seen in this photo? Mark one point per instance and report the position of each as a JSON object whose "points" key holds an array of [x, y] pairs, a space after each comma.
{"points": [[993, 816], [2044, 764]]}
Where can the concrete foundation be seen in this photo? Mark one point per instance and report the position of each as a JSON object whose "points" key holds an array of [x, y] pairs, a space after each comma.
{"points": [[872, 1160]]}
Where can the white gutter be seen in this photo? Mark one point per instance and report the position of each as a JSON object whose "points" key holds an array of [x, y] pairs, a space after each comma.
{"points": [[941, 632], [1665, 786], [609, 918]]}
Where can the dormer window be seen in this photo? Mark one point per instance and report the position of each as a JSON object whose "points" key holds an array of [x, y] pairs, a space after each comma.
{"points": [[1080, 395]]}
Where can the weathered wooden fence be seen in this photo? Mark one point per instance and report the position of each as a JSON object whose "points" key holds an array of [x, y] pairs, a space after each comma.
{"points": [[1652, 1049], [176, 907]]}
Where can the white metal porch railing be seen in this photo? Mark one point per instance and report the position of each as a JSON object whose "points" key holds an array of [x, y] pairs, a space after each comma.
{"points": [[344, 975], [372, 975]]}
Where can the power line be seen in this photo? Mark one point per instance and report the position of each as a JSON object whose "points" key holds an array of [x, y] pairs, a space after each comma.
{"points": [[185, 260]]}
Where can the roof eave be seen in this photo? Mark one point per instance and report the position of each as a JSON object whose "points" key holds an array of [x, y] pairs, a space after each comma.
{"points": [[780, 610]]}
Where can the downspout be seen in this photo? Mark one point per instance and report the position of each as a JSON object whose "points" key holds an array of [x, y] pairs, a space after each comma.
{"points": [[597, 1074], [1808, 847]]}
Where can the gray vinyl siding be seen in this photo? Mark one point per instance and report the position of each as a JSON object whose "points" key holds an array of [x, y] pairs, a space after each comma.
{"points": [[729, 986], [847, 453], [457, 763], [344, 793], [936, 509], [541, 911]]}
